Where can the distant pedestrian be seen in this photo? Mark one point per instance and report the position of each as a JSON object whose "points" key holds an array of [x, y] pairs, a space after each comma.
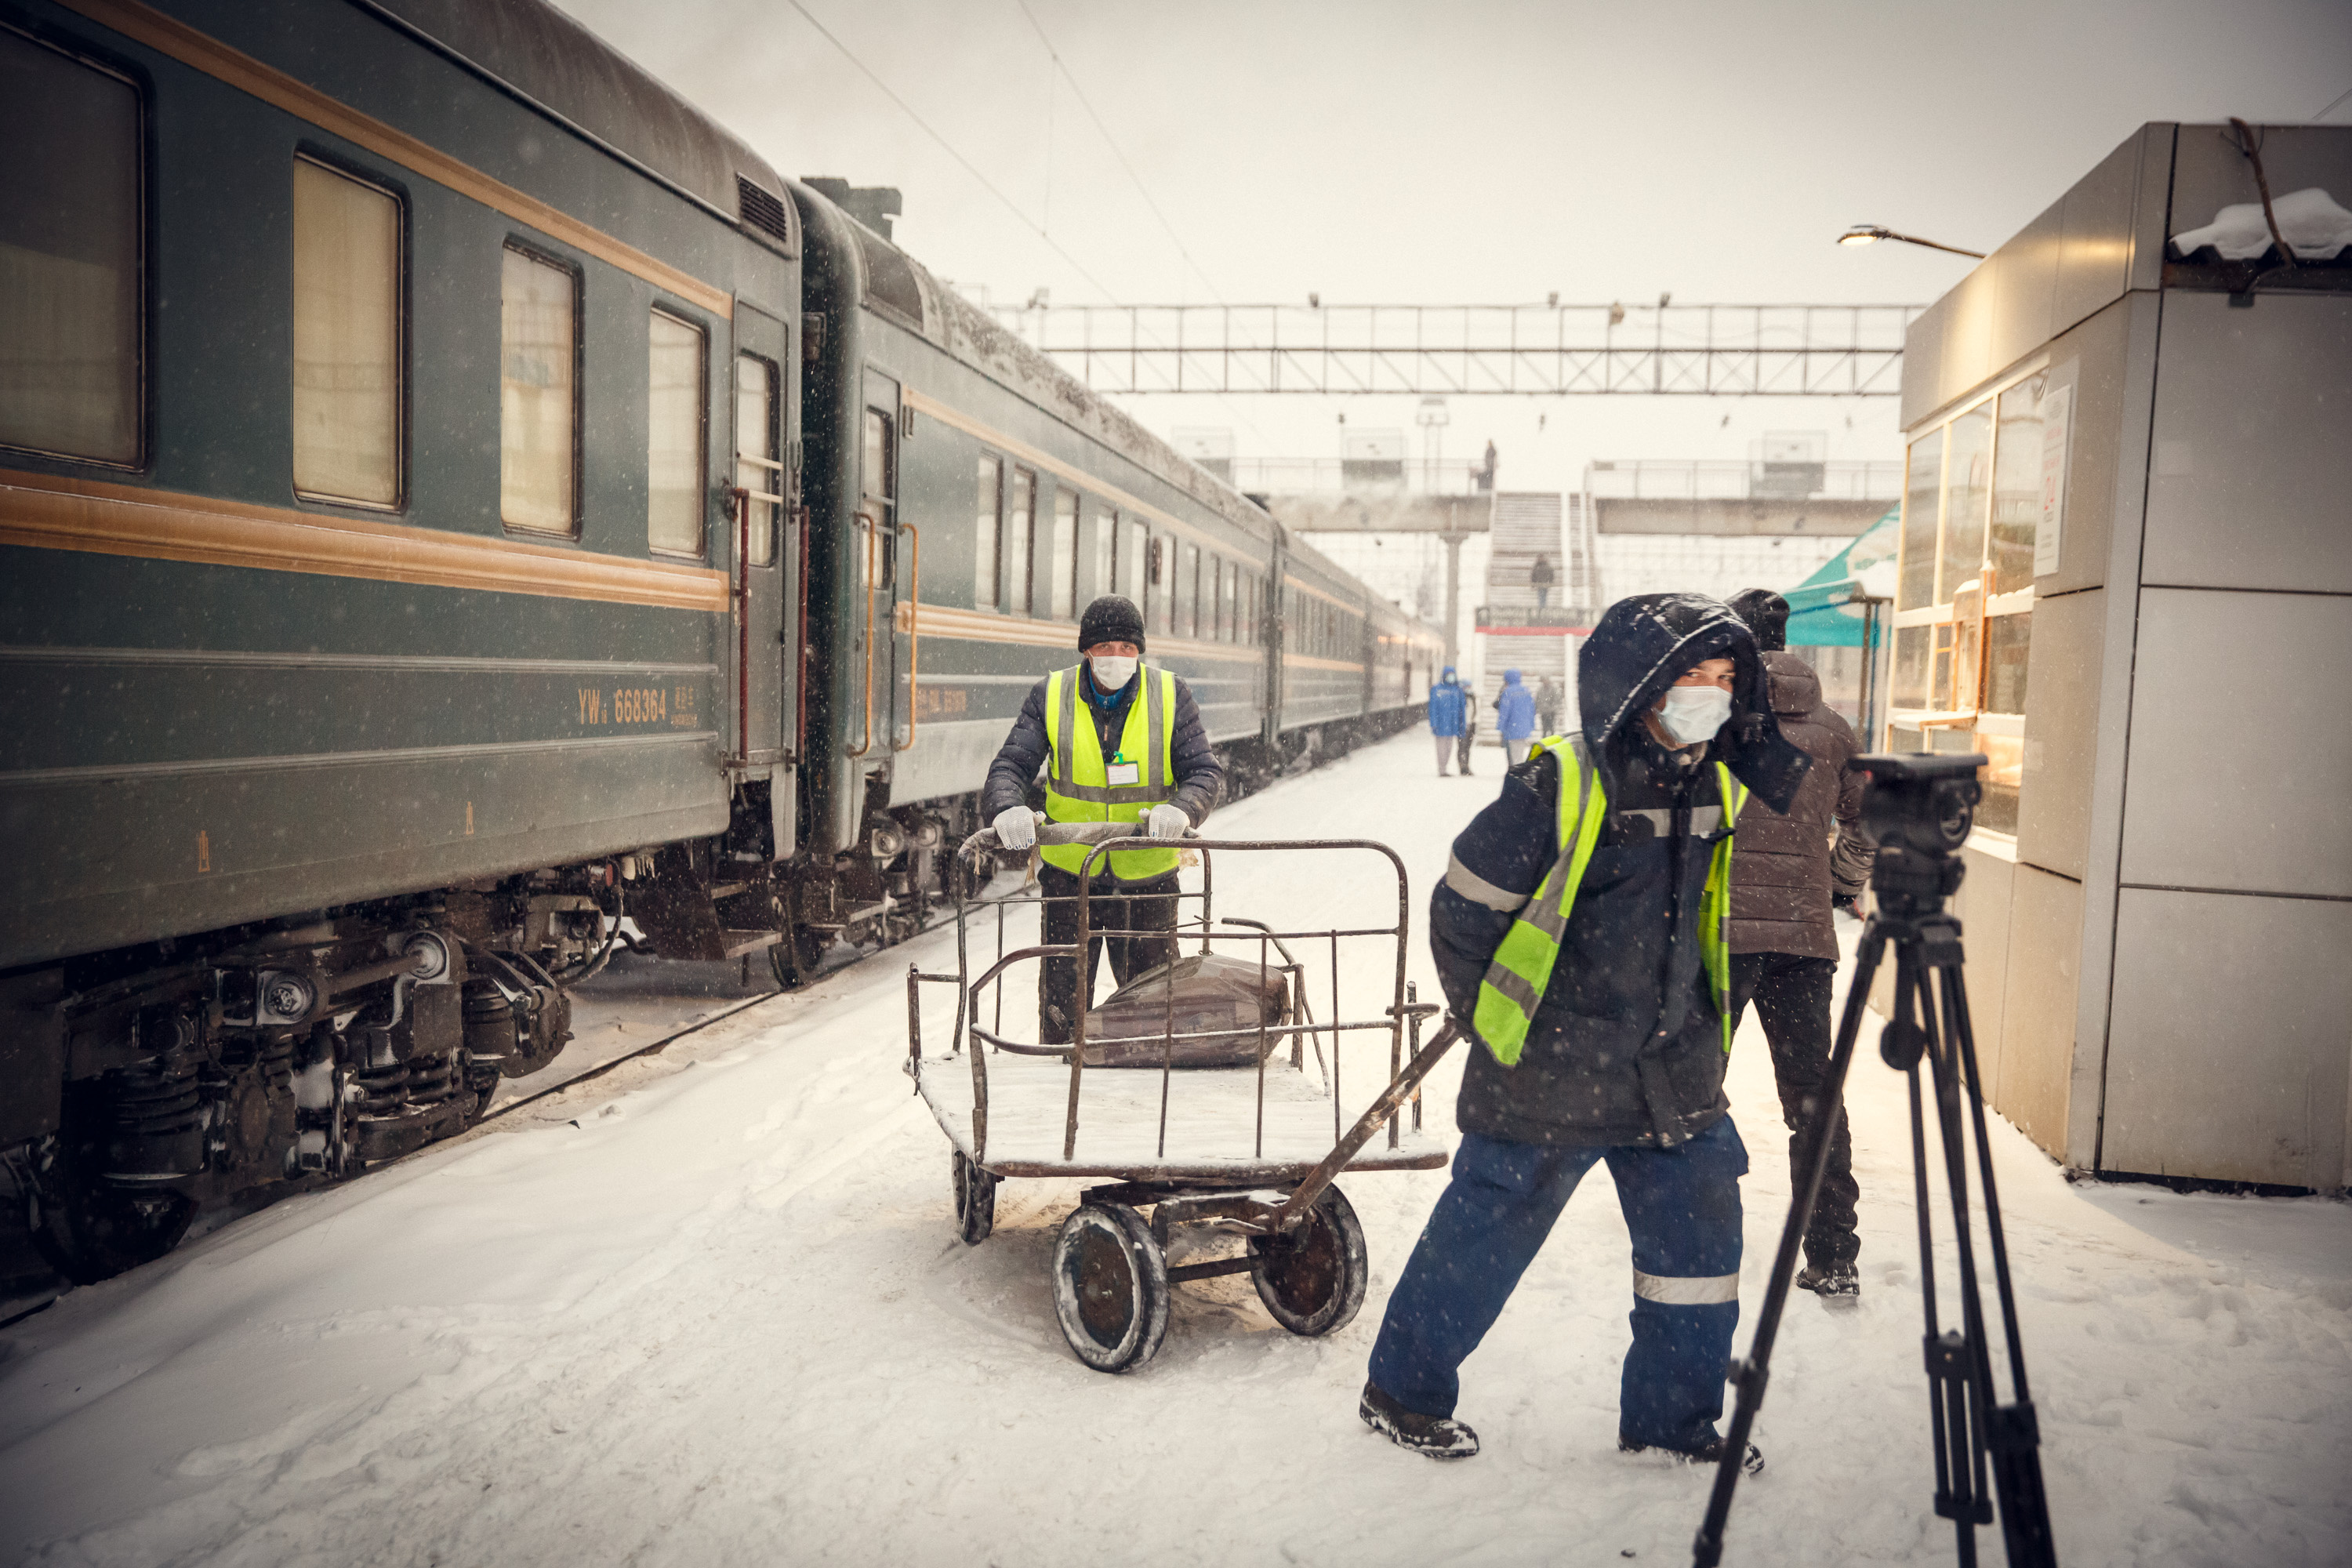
{"points": [[1484, 473], [1546, 707], [1449, 707], [1785, 882], [1540, 578], [1574, 935], [1515, 717], [1469, 730]]}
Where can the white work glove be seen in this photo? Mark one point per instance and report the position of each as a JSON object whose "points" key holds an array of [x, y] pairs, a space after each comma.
{"points": [[1167, 822], [1016, 828]]}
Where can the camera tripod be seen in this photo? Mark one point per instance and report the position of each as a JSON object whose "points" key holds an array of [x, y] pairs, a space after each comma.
{"points": [[1930, 1025]]}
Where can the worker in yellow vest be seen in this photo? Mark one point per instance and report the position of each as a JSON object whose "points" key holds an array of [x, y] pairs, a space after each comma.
{"points": [[1579, 935], [1116, 741]]}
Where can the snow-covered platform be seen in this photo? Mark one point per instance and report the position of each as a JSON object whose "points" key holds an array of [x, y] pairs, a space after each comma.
{"points": [[1213, 1133]]}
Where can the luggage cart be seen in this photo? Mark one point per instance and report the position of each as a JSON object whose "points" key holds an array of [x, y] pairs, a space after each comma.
{"points": [[1250, 1152]]}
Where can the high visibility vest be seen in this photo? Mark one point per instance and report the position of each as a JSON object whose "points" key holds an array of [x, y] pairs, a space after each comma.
{"points": [[1083, 785], [1522, 966]]}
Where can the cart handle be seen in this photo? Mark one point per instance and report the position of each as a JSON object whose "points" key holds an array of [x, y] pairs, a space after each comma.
{"points": [[1302, 1198]]}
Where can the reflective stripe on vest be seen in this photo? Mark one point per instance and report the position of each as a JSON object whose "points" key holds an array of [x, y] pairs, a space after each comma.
{"points": [[1521, 969], [1078, 786]]}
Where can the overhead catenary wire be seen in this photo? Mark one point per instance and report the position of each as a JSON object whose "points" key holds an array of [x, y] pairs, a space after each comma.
{"points": [[1118, 152], [949, 149]]}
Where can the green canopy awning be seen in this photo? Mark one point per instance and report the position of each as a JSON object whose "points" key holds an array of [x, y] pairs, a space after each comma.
{"points": [[1827, 609]]}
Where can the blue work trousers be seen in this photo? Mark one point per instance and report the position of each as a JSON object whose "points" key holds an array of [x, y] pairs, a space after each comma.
{"points": [[1682, 1205]]}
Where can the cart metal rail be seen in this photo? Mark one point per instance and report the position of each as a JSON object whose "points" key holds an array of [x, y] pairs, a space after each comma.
{"points": [[1256, 1151]]}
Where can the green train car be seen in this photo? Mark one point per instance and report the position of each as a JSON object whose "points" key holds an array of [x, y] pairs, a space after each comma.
{"points": [[453, 497]]}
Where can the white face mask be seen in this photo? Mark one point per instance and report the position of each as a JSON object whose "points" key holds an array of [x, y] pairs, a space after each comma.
{"points": [[1693, 713], [1112, 670]]}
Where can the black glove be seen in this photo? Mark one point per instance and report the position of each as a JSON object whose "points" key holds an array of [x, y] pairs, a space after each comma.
{"points": [[1848, 902]]}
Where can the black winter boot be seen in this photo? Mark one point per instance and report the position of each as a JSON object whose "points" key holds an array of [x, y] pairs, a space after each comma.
{"points": [[1438, 1437], [1705, 1453], [1837, 1283]]}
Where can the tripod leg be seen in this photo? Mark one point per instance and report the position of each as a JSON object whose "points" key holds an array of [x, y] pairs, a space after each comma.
{"points": [[1749, 1376], [2013, 1432]]}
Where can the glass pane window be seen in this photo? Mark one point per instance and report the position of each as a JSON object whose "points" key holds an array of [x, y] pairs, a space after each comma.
{"points": [[1967, 498], [1188, 588], [1065, 554], [992, 505], [2008, 640], [538, 401], [674, 428], [1134, 563], [1940, 692], [1019, 530], [1916, 585], [1228, 581], [346, 338], [877, 485], [70, 256], [1099, 582], [755, 452], [2017, 485], [2004, 769], [1911, 647]]}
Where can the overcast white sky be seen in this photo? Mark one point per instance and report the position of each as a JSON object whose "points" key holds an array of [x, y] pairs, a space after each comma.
{"points": [[1481, 153]]}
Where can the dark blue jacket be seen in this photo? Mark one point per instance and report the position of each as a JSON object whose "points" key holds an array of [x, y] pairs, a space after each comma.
{"points": [[1626, 1046], [1200, 777]]}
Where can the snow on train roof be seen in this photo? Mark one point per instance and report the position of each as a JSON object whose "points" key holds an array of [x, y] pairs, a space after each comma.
{"points": [[559, 65], [961, 328]]}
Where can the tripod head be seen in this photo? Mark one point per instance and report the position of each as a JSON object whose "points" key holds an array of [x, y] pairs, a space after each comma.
{"points": [[1918, 806]]}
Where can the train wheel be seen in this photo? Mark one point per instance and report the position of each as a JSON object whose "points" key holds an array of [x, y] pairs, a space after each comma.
{"points": [[975, 1201], [89, 1230], [1312, 1278], [1111, 1287]]}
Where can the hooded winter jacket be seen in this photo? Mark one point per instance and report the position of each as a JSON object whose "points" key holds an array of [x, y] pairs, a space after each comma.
{"points": [[1783, 871], [1447, 705], [1515, 708], [1626, 1044]]}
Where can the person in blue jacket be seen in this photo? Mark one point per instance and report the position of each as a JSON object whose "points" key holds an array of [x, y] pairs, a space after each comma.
{"points": [[1515, 717], [1449, 709], [1616, 1053]]}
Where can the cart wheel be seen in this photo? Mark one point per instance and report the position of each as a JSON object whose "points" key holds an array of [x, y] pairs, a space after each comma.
{"points": [[975, 1201], [1312, 1280], [1111, 1287]]}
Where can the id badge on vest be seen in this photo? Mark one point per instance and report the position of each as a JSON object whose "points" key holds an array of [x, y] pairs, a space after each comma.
{"points": [[1118, 772]]}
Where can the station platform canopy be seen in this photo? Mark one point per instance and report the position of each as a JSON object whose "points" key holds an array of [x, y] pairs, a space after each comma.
{"points": [[1828, 609]]}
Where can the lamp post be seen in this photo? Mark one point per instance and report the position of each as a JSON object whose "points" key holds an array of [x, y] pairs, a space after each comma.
{"points": [[1871, 234]]}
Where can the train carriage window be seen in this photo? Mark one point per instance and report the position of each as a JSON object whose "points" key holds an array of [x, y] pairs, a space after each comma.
{"points": [[1019, 534], [1134, 560], [1163, 580], [1100, 582], [878, 484], [675, 459], [539, 336], [757, 468], [1228, 578], [70, 256], [1065, 554], [347, 348], [1188, 590], [985, 536]]}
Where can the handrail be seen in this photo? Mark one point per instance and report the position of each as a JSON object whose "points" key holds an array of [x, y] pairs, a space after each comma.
{"points": [[742, 625], [914, 632], [865, 741]]}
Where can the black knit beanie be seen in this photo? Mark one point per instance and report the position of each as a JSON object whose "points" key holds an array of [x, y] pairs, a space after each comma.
{"points": [[1111, 618], [1767, 614]]}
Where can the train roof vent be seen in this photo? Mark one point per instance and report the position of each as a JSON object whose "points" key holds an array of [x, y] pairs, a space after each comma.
{"points": [[890, 279], [762, 210]]}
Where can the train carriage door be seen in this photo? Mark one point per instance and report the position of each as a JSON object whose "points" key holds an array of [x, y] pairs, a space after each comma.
{"points": [[760, 513], [885, 713]]}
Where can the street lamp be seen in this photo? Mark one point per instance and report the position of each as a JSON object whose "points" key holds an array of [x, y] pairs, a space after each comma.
{"points": [[1871, 233]]}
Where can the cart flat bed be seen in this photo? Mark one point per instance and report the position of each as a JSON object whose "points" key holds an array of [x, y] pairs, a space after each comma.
{"points": [[1212, 1122]]}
